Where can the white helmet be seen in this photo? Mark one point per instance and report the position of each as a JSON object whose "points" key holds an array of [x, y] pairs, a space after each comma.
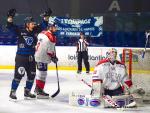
{"points": [[112, 54]]}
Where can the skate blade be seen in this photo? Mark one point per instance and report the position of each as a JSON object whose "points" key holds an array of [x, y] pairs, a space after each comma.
{"points": [[29, 98], [12, 100], [42, 97]]}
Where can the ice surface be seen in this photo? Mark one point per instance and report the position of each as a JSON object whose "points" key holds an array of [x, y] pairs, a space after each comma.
{"points": [[69, 81]]}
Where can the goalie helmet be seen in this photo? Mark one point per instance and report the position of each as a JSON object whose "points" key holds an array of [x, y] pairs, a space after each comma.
{"points": [[112, 54]]}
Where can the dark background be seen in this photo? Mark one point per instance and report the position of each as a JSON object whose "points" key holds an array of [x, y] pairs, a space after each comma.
{"points": [[125, 27]]}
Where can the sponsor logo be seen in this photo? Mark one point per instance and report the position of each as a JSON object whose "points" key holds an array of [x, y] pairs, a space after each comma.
{"points": [[91, 57], [76, 21], [81, 101], [95, 102], [134, 57], [120, 102]]}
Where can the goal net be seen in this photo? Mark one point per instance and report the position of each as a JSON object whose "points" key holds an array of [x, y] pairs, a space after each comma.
{"points": [[138, 71]]}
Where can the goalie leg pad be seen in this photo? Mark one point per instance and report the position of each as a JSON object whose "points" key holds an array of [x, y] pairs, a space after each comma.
{"points": [[125, 100], [84, 100]]}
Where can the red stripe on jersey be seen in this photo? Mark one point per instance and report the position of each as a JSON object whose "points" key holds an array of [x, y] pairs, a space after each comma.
{"points": [[118, 62], [107, 60], [50, 36], [102, 61]]}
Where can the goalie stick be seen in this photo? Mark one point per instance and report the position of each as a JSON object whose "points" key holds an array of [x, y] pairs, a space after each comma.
{"points": [[147, 36], [106, 98]]}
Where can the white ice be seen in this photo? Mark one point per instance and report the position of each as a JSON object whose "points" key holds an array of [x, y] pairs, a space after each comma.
{"points": [[69, 81]]}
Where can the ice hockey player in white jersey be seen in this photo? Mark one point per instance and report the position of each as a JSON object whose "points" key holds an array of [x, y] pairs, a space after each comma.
{"points": [[45, 53], [110, 76]]}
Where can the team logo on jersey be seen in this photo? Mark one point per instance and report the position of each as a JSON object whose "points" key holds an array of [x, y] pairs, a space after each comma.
{"points": [[29, 40], [113, 68], [21, 70]]}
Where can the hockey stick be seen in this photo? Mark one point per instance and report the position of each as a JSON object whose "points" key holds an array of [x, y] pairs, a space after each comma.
{"points": [[58, 90], [86, 83], [147, 35]]}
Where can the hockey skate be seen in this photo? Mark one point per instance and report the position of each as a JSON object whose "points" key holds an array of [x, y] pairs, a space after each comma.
{"points": [[87, 72], [79, 72], [13, 96], [41, 94], [28, 95]]}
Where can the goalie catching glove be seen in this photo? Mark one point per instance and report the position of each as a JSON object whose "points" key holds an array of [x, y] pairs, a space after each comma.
{"points": [[54, 59]]}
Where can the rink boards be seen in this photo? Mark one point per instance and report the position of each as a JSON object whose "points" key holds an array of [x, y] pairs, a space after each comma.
{"points": [[68, 60]]}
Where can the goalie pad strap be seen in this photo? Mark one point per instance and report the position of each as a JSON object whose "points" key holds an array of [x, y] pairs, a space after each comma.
{"points": [[97, 80]]}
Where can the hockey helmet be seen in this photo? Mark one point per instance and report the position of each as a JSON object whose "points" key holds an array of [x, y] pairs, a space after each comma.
{"points": [[51, 23], [28, 20], [48, 12]]}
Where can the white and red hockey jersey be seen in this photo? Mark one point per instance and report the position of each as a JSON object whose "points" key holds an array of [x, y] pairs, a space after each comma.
{"points": [[45, 47], [111, 76]]}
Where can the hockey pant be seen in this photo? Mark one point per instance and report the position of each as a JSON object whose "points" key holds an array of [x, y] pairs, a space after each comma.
{"points": [[115, 92], [24, 65], [41, 75]]}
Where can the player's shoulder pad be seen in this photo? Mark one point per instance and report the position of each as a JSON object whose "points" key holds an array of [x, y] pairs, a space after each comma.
{"points": [[102, 61], [50, 36]]}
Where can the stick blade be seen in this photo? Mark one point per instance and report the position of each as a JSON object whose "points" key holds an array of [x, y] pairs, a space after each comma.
{"points": [[56, 93]]}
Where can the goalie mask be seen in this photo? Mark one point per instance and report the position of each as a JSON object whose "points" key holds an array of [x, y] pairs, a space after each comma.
{"points": [[112, 54]]}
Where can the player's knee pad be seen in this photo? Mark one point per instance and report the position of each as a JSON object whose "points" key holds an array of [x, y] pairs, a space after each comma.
{"points": [[19, 72], [41, 75]]}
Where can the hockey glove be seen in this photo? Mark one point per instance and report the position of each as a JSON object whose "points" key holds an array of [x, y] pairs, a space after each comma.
{"points": [[48, 12], [54, 59], [11, 12]]}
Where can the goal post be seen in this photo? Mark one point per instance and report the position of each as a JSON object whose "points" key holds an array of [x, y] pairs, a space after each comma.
{"points": [[138, 69], [127, 57]]}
